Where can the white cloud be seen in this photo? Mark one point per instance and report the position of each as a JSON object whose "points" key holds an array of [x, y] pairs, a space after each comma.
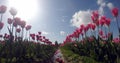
{"points": [[101, 10], [62, 32], [81, 17], [103, 4], [99, 2], [84, 17], [45, 33], [110, 5]]}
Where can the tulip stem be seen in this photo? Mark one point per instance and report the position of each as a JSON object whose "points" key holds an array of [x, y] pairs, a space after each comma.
{"points": [[1, 17], [118, 27], [29, 35], [12, 25], [26, 35]]}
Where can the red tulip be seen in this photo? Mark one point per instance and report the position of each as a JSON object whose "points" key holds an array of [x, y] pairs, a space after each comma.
{"points": [[86, 29], [13, 11], [95, 16], [93, 26], [116, 40], [107, 22], [3, 9], [1, 25], [82, 26], [10, 21], [18, 30], [76, 34], [115, 12], [102, 20], [101, 33]]}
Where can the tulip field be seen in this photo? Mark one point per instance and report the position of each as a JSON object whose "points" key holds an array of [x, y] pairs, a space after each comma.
{"points": [[91, 43], [99, 46], [17, 48]]}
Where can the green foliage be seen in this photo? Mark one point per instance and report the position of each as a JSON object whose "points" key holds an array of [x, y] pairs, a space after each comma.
{"points": [[72, 57], [92, 52], [26, 52]]}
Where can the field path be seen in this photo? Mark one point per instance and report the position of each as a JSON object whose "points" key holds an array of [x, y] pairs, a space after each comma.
{"points": [[58, 56]]}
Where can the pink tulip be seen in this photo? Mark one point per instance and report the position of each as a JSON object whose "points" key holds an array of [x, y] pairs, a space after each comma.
{"points": [[95, 16], [102, 20], [82, 26], [93, 26], [22, 24], [86, 28], [17, 20], [18, 30], [39, 33], [3, 9], [107, 22], [1, 25], [101, 33], [115, 12], [33, 38], [13, 11], [116, 40], [10, 21], [93, 19], [15, 24], [28, 27], [37, 37], [43, 37]]}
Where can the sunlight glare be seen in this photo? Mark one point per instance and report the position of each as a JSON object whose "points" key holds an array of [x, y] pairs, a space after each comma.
{"points": [[27, 9]]}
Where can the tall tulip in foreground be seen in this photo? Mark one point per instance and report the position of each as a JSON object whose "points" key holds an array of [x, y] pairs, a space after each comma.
{"points": [[115, 13]]}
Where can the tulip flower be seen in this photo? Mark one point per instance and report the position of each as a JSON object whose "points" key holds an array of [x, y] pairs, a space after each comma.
{"points": [[93, 26], [39, 33], [13, 11], [17, 20], [22, 24], [102, 20], [107, 22], [18, 30], [3, 9], [28, 27], [116, 40], [10, 21], [95, 16], [101, 33], [115, 12], [15, 24]]}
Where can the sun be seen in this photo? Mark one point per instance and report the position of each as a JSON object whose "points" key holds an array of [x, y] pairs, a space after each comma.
{"points": [[27, 9]]}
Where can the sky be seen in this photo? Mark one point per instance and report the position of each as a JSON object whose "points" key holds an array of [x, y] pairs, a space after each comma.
{"points": [[58, 18]]}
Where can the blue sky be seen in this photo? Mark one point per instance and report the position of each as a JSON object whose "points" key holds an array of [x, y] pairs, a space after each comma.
{"points": [[55, 17]]}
